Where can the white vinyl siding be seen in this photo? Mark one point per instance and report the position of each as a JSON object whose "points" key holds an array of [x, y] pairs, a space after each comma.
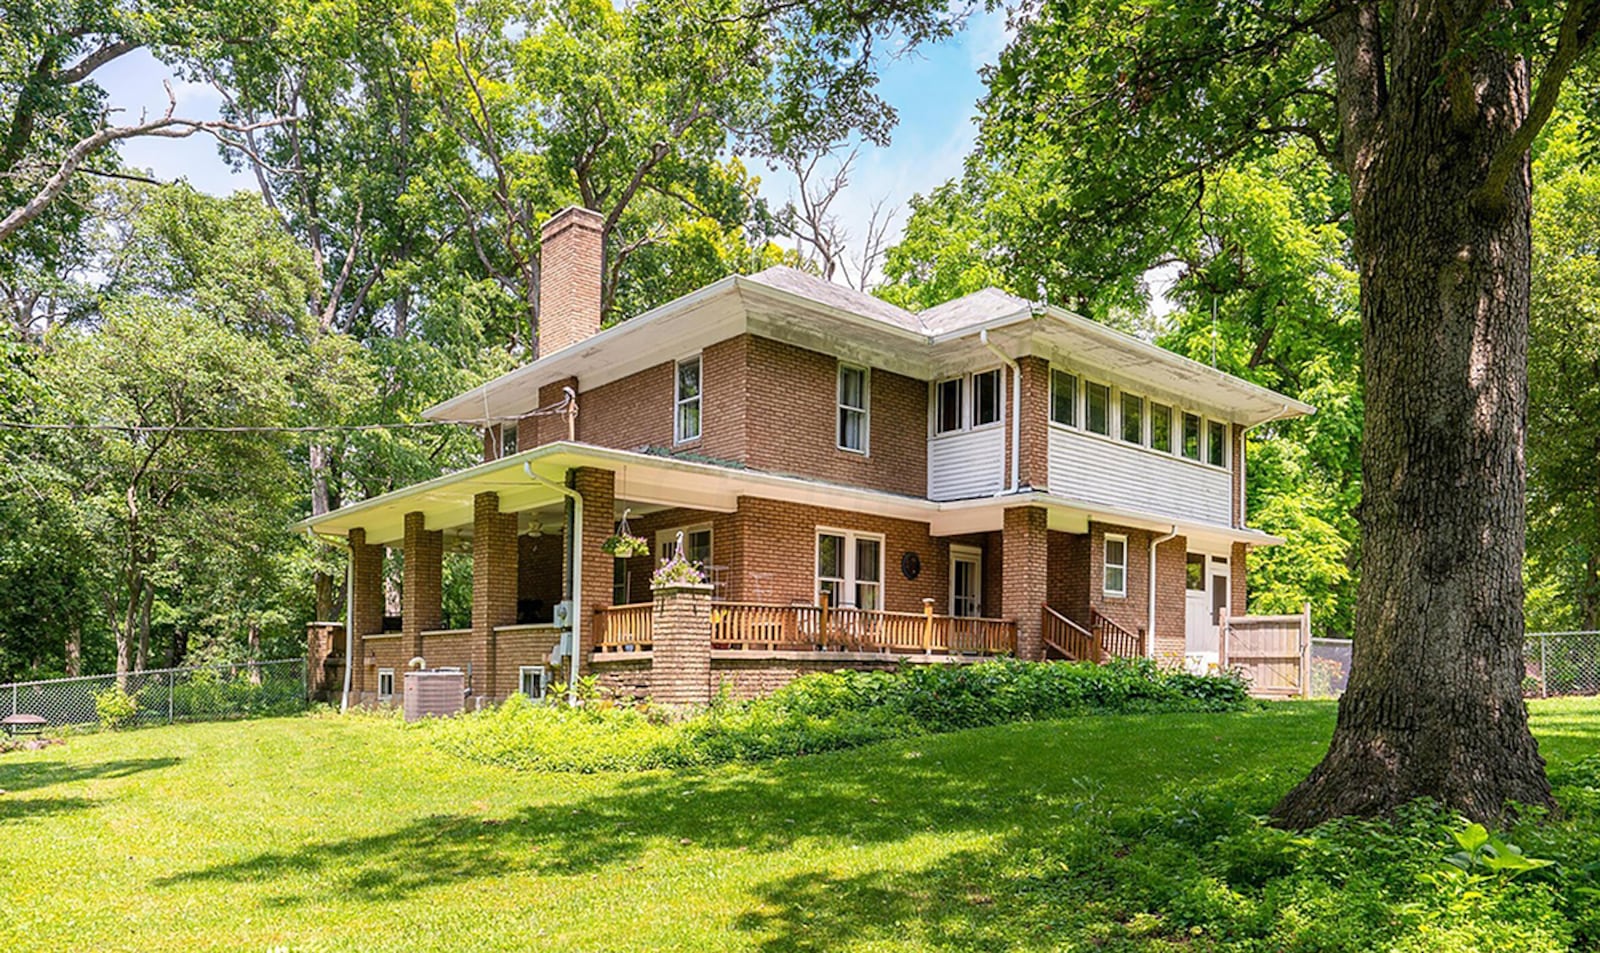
{"points": [[1111, 473], [966, 464]]}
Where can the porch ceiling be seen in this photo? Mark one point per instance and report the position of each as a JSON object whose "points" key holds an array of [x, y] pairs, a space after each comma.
{"points": [[1074, 516]]}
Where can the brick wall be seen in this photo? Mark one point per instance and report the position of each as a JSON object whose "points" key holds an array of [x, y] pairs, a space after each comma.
{"points": [[1172, 603], [421, 605], [388, 653], [366, 564], [681, 654], [1068, 588], [727, 532], [1130, 611], [519, 647], [1237, 480], [1026, 551], [1238, 574], [541, 563], [597, 487], [792, 422], [495, 579], [1034, 423], [571, 259]]}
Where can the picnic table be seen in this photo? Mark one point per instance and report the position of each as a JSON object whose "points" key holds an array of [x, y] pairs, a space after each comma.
{"points": [[23, 724]]}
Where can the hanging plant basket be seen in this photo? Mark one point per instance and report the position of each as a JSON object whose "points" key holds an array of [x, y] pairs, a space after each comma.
{"points": [[623, 546]]}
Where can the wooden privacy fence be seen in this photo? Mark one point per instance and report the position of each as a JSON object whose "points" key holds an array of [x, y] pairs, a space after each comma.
{"points": [[1272, 652]]}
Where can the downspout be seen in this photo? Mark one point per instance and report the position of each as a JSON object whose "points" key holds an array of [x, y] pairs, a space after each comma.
{"points": [[575, 559], [1016, 408], [349, 612], [1150, 628]]}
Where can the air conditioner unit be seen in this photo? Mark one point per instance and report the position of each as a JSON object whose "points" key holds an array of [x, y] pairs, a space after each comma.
{"points": [[562, 614]]}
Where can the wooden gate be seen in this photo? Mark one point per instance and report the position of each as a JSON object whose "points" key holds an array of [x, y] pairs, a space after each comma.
{"points": [[1273, 652]]}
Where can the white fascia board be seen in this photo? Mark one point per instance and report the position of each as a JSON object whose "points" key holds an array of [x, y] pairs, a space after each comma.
{"points": [[986, 514]]}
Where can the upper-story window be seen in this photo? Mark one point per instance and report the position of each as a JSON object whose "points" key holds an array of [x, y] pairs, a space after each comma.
{"points": [[1216, 443], [986, 397], [947, 405], [1064, 398], [686, 421], [854, 394], [1133, 418], [1097, 408], [1160, 427], [1191, 436]]}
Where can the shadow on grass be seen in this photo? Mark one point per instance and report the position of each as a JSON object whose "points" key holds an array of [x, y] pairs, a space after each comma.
{"points": [[33, 775], [23, 809]]}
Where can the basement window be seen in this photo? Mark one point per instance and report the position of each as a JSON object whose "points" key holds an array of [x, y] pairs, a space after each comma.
{"points": [[530, 681], [686, 424], [1116, 565], [385, 684]]}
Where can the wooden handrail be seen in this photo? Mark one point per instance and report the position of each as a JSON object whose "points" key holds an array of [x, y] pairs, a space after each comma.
{"points": [[1113, 639], [624, 628], [1069, 638], [806, 627]]}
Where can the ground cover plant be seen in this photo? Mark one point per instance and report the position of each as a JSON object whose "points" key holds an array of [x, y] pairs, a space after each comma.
{"points": [[1115, 832], [822, 712]]}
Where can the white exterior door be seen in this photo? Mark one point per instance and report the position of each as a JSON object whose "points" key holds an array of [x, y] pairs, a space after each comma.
{"points": [[966, 575], [1206, 585]]}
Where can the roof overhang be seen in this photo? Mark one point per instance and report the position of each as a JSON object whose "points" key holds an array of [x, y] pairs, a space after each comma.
{"points": [[528, 481]]}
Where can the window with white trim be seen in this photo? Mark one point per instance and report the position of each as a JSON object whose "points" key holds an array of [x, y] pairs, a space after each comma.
{"points": [[1160, 427], [1116, 565], [530, 681], [696, 543], [1097, 408], [854, 395], [1216, 443], [850, 568], [1191, 436], [619, 582], [686, 416], [1064, 398], [1133, 418], [986, 397], [385, 684], [947, 405]]}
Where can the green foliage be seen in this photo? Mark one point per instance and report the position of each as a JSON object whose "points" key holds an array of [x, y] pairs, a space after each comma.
{"points": [[115, 707], [822, 712]]}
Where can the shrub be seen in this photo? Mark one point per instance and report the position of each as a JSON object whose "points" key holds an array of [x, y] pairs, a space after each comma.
{"points": [[823, 712], [115, 707]]}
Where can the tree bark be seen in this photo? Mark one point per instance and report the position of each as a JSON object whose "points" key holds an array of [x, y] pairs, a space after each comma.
{"points": [[1434, 706], [74, 652]]}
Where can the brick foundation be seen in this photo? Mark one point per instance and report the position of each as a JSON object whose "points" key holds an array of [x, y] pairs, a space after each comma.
{"points": [[681, 659]]}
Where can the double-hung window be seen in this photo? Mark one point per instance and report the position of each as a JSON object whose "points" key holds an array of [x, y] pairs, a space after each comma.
{"points": [[947, 401], [850, 568], [1116, 565], [1132, 418], [686, 419], [1064, 398], [854, 394], [1097, 408]]}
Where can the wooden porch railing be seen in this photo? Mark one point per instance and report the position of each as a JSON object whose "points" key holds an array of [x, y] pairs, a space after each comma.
{"points": [[1114, 639], [1069, 638], [745, 625], [624, 628]]}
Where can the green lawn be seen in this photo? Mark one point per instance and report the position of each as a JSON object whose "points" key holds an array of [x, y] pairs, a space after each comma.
{"points": [[327, 833]]}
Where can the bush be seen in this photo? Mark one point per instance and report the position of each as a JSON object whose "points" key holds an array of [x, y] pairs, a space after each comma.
{"points": [[115, 707], [824, 712]]}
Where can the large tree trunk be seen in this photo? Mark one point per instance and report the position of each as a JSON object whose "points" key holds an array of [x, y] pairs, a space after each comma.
{"points": [[74, 651], [1434, 706]]}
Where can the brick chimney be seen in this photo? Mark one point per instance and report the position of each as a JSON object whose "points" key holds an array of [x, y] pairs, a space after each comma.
{"points": [[571, 258]]}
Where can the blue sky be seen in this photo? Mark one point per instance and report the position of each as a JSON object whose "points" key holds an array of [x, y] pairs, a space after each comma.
{"points": [[935, 90]]}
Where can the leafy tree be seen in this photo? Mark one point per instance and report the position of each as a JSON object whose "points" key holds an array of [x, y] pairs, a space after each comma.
{"points": [[1103, 122]]}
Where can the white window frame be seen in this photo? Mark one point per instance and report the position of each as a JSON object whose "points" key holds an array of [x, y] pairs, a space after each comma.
{"points": [[679, 402], [1150, 426], [667, 537], [1206, 429], [1077, 392], [1111, 409], [1144, 419], [865, 410], [1183, 416], [1106, 565], [522, 674], [850, 579], [974, 555], [999, 398], [962, 402], [384, 673]]}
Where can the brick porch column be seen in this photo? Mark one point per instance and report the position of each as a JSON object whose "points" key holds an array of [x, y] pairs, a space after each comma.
{"points": [[680, 631], [598, 489], [422, 599], [366, 609], [1025, 549], [494, 586], [1034, 429]]}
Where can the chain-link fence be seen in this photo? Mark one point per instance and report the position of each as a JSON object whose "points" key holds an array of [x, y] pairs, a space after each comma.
{"points": [[163, 696], [1557, 663], [1561, 663]]}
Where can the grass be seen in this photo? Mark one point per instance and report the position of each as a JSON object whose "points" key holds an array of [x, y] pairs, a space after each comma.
{"points": [[326, 833]]}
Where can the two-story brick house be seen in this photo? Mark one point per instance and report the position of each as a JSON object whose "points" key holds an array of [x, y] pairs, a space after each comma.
{"points": [[862, 483]]}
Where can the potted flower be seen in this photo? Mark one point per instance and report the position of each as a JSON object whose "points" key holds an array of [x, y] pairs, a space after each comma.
{"points": [[624, 546]]}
